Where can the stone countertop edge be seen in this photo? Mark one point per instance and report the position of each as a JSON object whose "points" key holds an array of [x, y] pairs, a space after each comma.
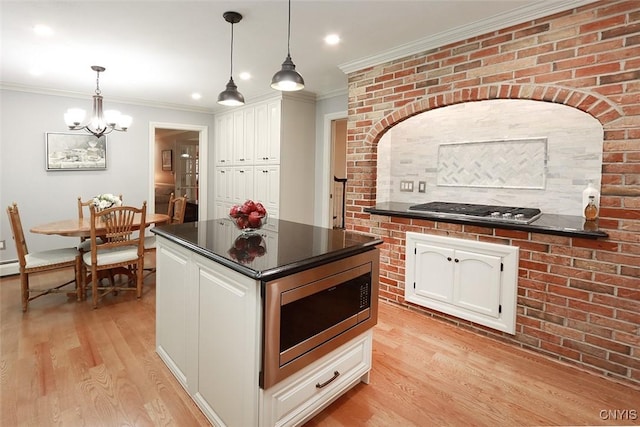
{"points": [[561, 225], [272, 273]]}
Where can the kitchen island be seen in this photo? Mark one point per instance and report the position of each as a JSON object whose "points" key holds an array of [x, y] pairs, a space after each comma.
{"points": [[222, 329]]}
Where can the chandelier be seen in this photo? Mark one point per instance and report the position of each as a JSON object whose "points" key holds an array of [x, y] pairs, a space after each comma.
{"points": [[101, 122]]}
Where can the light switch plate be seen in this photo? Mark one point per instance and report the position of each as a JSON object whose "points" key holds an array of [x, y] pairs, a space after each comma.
{"points": [[406, 186]]}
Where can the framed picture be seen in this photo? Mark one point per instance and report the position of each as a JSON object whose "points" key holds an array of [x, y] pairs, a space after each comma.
{"points": [[75, 152], [167, 160]]}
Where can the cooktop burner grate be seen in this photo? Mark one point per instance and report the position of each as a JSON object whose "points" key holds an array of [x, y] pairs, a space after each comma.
{"points": [[463, 210]]}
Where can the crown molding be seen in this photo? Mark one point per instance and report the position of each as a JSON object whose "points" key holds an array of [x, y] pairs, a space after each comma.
{"points": [[79, 95], [530, 12]]}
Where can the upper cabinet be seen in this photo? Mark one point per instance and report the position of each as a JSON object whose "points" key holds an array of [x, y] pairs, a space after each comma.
{"points": [[277, 137], [267, 141], [224, 140]]}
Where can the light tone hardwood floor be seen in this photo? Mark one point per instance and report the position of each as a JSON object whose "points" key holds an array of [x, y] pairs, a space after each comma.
{"points": [[66, 364]]}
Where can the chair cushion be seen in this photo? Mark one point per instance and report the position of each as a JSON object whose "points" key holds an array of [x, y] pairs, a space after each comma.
{"points": [[50, 257], [113, 256], [85, 246], [150, 242]]}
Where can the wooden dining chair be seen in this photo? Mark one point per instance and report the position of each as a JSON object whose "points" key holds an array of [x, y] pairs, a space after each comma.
{"points": [[37, 262], [117, 247], [85, 243], [176, 211]]}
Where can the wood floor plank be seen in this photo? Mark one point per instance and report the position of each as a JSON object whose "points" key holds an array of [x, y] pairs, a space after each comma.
{"points": [[65, 364]]}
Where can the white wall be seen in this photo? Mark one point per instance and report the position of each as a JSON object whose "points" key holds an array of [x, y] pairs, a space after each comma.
{"points": [[48, 196]]}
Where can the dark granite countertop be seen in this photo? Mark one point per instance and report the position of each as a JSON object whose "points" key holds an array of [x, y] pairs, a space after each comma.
{"points": [[279, 249], [563, 225]]}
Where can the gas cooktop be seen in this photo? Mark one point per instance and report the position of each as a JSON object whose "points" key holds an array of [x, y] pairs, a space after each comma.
{"points": [[507, 214]]}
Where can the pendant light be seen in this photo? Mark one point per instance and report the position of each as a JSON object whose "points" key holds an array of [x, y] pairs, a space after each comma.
{"points": [[230, 96], [288, 79]]}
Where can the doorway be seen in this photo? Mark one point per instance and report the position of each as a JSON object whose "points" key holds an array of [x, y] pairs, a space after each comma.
{"points": [[178, 164], [333, 132], [338, 171]]}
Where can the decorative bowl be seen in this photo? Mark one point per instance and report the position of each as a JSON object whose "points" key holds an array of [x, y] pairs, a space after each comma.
{"points": [[249, 223]]}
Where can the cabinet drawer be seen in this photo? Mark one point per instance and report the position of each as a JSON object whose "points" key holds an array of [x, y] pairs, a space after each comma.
{"points": [[308, 391]]}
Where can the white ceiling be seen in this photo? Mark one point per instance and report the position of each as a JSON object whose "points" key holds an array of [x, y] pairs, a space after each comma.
{"points": [[160, 52]]}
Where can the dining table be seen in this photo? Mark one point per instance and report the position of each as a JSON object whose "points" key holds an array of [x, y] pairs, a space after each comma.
{"points": [[81, 227]]}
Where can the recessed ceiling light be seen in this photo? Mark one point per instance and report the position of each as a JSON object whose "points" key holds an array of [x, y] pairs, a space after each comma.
{"points": [[36, 72], [42, 30], [245, 76], [196, 96], [332, 39]]}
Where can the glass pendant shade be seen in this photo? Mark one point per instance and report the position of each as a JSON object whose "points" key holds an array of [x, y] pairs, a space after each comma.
{"points": [[230, 96], [287, 79]]}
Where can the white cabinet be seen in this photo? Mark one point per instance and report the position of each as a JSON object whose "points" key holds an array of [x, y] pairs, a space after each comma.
{"points": [[277, 138], [224, 182], [267, 187], [299, 397], [172, 311], [244, 137], [476, 281], [242, 184], [268, 136], [223, 147]]}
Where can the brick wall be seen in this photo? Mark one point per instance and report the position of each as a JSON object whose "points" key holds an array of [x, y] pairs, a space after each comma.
{"points": [[578, 299]]}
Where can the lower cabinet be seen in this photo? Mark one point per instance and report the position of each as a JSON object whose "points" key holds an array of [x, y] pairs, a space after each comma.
{"points": [[209, 334], [472, 280], [296, 399]]}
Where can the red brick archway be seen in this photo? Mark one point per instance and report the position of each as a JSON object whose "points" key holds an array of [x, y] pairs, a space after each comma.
{"points": [[362, 174], [596, 105]]}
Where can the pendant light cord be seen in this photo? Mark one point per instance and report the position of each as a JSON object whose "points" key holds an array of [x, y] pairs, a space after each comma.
{"points": [[231, 61], [289, 30]]}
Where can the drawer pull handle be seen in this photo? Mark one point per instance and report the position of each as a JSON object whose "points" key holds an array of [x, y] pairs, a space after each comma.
{"points": [[336, 374]]}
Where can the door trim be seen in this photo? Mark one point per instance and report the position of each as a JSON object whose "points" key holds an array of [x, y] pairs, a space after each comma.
{"points": [[323, 215], [203, 157]]}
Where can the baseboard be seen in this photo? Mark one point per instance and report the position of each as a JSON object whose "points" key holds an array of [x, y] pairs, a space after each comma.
{"points": [[9, 269]]}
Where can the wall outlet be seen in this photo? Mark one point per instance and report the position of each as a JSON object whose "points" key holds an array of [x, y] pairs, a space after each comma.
{"points": [[406, 186], [3, 245], [422, 186]]}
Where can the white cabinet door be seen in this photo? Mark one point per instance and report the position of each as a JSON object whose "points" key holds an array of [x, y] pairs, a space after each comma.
{"points": [[242, 185], [267, 187], [433, 272], [224, 140], [172, 312], [228, 346], [471, 280], [223, 184], [267, 143], [477, 282], [222, 209], [244, 136]]}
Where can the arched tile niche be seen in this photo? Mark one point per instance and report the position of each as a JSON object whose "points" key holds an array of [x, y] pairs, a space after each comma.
{"points": [[511, 152]]}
